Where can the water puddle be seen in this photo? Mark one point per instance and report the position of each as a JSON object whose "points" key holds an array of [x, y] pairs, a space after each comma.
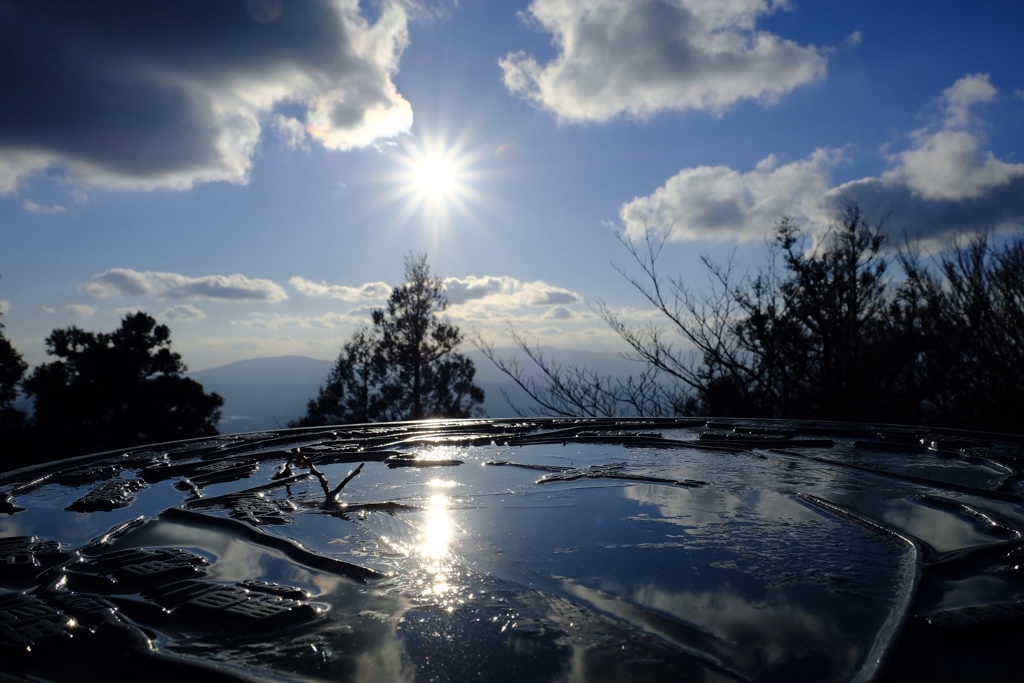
{"points": [[518, 551]]}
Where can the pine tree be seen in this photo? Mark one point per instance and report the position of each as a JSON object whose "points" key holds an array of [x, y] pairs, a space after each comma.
{"points": [[406, 367], [117, 389]]}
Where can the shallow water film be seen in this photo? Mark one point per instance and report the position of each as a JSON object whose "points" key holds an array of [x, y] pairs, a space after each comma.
{"points": [[532, 550]]}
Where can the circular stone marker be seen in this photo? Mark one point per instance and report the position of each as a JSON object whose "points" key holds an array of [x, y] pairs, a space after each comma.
{"points": [[522, 550]]}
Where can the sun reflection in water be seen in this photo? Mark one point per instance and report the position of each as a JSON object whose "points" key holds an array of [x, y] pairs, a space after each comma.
{"points": [[435, 543], [437, 532]]}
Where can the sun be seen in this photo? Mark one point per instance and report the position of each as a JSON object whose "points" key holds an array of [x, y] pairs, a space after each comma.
{"points": [[434, 181], [434, 178]]}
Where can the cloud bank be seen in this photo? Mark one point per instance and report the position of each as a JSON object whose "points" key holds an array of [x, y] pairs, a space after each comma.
{"points": [[321, 321], [944, 181], [169, 93], [370, 290], [720, 203], [500, 291], [640, 57], [503, 292], [474, 300], [128, 282], [183, 312]]}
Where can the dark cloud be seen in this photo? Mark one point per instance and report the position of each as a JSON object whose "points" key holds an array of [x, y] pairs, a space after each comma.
{"points": [[906, 212], [173, 92]]}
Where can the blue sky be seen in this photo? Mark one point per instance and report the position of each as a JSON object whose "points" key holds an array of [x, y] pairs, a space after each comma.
{"points": [[252, 172]]}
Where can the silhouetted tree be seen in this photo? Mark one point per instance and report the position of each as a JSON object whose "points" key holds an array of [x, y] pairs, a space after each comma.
{"points": [[970, 328], [12, 369], [576, 391], [118, 389], [809, 335], [817, 333], [406, 367], [346, 396], [793, 339]]}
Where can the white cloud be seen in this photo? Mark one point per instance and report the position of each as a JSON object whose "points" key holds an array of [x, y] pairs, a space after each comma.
{"points": [[497, 292], [946, 180], [503, 292], [325, 321], [639, 57], [49, 310], [359, 313], [720, 203], [31, 207], [430, 10], [16, 164], [4, 306], [559, 313], [478, 303], [370, 290], [461, 290], [138, 98], [948, 161], [553, 315], [122, 312], [967, 92], [291, 131], [484, 304], [951, 164], [183, 312], [543, 294], [80, 310], [128, 282]]}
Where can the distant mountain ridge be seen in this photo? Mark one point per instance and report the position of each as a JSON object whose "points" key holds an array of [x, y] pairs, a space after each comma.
{"points": [[268, 393], [264, 393]]}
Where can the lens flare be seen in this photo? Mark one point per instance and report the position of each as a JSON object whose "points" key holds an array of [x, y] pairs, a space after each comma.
{"points": [[436, 182]]}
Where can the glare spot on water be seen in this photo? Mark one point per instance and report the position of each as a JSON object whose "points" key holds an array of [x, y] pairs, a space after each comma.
{"points": [[434, 546], [437, 532]]}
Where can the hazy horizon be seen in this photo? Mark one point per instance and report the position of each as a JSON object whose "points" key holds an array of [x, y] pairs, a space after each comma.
{"points": [[268, 392]]}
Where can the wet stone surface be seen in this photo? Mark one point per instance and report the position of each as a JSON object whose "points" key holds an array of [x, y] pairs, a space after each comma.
{"points": [[527, 550]]}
